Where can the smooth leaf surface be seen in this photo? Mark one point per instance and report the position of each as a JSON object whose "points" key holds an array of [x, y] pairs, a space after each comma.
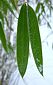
{"points": [[35, 39], [2, 37], [22, 41]]}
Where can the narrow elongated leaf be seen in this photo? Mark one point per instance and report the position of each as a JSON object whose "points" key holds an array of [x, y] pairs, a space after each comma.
{"points": [[5, 8], [35, 39], [10, 47], [1, 17], [14, 3], [22, 41], [0, 4], [37, 7], [2, 37], [8, 6]]}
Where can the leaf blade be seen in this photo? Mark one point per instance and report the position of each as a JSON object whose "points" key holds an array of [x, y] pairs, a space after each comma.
{"points": [[8, 6], [3, 38], [22, 41], [35, 39]]}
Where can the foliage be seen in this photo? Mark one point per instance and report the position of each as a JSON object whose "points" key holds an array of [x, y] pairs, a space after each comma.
{"points": [[27, 30]]}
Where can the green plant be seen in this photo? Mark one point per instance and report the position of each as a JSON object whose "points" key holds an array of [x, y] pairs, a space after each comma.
{"points": [[27, 31]]}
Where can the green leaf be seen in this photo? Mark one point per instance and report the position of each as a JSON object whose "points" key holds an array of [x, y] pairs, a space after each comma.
{"points": [[37, 7], [0, 4], [22, 41], [35, 39], [1, 17], [14, 3], [42, 8], [2, 37], [7, 23], [40, 5], [10, 47], [47, 1], [39, 20], [8, 6], [4, 8]]}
